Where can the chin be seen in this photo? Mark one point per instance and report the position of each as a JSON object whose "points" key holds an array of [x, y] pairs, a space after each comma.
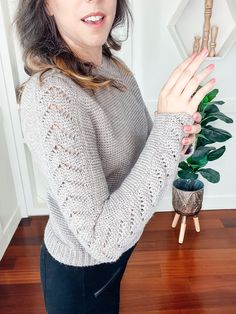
{"points": [[97, 43]]}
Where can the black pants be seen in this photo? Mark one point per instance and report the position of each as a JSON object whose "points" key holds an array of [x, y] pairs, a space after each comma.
{"points": [[69, 289]]}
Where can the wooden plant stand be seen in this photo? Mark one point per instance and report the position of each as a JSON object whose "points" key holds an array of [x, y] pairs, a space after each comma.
{"points": [[183, 225]]}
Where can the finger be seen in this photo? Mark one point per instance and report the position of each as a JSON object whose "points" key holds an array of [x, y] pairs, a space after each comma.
{"points": [[193, 129], [184, 150], [177, 73], [189, 140], [189, 71], [201, 93], [196, 80], [197, 117]]}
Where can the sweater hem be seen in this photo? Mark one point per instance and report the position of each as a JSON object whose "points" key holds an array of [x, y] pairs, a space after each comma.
{"points": [[62, 253]]}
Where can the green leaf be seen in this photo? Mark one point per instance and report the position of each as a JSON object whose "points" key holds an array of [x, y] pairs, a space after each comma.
{"points": [[215, 134], [192, 165], [207, 120], [187, 174], [202, 136], [211, 108], [203, 140], [216, 154], [201, 152], [211, 175], [202, 106], [196, 167], [183, 165], [217, 102], [205, 99], [215, 116], [199, 158], [188, 167], [198, 163], [212, 94], [208, 107]]}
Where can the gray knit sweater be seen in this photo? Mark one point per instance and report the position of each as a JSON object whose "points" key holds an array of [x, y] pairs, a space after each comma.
{"points": [[107, 163]]}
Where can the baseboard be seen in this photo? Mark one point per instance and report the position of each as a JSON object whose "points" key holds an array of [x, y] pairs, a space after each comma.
{"points": [[9, 230]]}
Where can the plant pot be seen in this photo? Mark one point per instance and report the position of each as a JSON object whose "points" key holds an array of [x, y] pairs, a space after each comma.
{"points": [[187, 196]]}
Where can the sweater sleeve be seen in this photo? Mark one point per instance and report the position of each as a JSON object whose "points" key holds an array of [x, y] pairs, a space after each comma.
{"points": [[105, 224], [190, 149]]}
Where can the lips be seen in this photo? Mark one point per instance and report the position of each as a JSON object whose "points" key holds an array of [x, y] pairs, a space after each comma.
{"points": [[94, 23], [93, 14]]}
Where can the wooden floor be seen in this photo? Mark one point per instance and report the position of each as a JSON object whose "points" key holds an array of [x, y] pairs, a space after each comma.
{"points": [[162, 276]]}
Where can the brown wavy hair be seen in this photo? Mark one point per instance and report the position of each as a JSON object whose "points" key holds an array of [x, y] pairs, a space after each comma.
{"points": [[44, 48]]}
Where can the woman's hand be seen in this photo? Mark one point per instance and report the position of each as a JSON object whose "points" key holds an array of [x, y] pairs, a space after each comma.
{"points": [[176, 94]]}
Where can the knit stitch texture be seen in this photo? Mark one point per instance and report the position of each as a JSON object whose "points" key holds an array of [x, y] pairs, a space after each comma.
{"points": [[107, 163]]}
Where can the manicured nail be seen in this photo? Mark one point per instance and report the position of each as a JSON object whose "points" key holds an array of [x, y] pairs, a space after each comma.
{"points": [[187, 128], [211, 66]]}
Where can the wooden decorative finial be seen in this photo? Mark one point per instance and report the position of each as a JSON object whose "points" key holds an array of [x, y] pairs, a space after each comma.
{"points": [[206, 27], [214, 32], [196, 44]]}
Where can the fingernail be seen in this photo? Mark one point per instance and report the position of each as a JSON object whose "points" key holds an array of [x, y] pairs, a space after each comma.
{"points": [[187, 128], [211, 66]]}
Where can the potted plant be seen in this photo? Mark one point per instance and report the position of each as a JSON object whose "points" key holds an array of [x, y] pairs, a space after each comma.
{"points": [[188, 189]]}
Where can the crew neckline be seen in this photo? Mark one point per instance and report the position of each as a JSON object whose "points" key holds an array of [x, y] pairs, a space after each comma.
{"points": [[103, 65]]}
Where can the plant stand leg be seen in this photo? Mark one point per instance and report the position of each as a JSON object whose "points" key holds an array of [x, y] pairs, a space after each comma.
{"points": [[175, 220], [196, 223], [182, 229]]}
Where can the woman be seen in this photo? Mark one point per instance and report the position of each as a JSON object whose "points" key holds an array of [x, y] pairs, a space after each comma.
{"points": [[107, 163]]}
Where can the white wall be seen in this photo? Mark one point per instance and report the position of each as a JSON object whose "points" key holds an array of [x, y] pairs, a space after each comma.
{"points": [[12, 198], [152, 54], [155, 55]]}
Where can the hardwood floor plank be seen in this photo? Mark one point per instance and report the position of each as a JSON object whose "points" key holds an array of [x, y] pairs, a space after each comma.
{"points": [[162, 276]]}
